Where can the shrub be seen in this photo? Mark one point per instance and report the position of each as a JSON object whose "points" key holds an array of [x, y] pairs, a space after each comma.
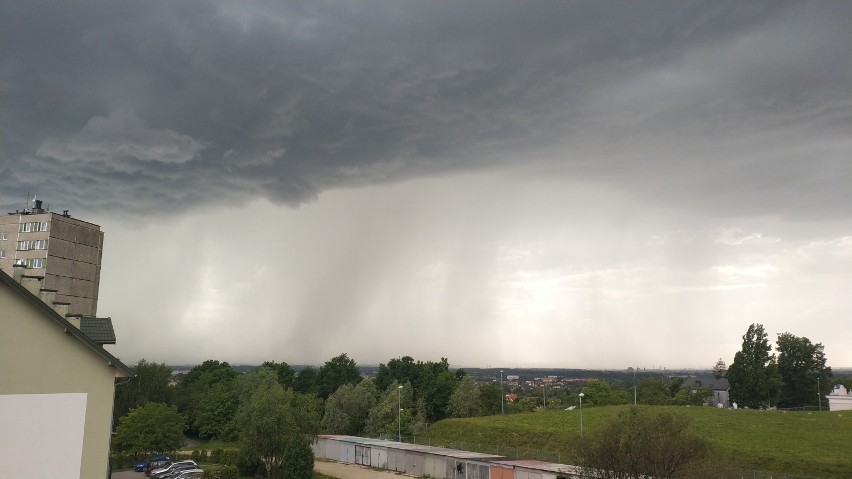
{"points": [[639, 444], [218, 471]]}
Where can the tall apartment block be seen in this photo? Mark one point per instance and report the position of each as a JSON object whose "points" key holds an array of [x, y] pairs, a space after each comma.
{"points": [[65, 251]]}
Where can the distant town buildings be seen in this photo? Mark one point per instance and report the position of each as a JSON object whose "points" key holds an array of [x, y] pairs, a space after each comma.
{"points": [[66, 252]]}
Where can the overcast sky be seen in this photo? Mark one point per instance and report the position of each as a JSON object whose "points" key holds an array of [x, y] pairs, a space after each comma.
{"points": [[565, 184]]}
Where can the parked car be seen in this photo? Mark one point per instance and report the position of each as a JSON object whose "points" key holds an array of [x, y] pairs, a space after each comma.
{"points": [[156, 465], [141, 465], [189, 474], [172, 468]]}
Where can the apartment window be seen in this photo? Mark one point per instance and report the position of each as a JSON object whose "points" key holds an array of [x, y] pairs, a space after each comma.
{"points": [[25, 245], [26, 227], [3, 237], [33, 262], [40, 244], [2, 253], [40, 226]]}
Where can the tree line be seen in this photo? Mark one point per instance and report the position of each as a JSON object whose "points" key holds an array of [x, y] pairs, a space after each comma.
{"points": [[795, 377]]}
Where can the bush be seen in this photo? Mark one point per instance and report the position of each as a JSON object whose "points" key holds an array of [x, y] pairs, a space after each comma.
{"points": [[218, 471], [299, 459], [247, 465], [199, 456], [639, 444]]}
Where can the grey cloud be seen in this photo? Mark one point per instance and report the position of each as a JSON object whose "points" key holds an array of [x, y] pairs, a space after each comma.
{"points": [[721, 106]]}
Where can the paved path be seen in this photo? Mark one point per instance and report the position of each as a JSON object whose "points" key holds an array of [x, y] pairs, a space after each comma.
{"points": [[353, 471]]}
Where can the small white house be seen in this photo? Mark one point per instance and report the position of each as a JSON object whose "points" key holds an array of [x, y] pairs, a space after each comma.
{"points": [[840, 399]]}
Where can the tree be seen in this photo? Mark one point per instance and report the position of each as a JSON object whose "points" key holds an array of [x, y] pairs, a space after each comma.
{"points": [[336, 372], [752, 376], [465, 400], [489, 399], [195, 385], [347, 409], [283, 371], [804, 376], [150, 383], [269, 426], [384, 416], [215, 414], [599, 393], [720, 370], [640, 444], [307, 381], [152, 427]]}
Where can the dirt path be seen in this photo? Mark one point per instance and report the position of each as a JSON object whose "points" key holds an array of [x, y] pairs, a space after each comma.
{"points": [[353, 471]]}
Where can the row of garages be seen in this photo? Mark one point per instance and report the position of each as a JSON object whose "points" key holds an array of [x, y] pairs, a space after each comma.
{"points": [[435, 462]]}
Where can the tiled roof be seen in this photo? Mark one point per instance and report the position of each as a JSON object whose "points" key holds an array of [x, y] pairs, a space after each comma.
{"points": [[98, 329]]}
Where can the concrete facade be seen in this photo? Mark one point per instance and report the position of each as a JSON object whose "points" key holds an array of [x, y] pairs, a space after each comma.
{"points": [[56, 391], [65, 251]]}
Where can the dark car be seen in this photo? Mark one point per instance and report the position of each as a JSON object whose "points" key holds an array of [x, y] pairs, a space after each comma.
{"points": [[141, 465]]}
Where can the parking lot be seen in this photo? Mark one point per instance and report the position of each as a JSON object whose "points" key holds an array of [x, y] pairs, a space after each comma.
{"points": [[127, 475]]}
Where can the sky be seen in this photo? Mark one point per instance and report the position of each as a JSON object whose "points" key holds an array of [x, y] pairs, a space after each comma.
{"points": [[584, 184]]}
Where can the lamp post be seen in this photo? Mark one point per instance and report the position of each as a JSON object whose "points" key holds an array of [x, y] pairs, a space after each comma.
{"points": [[399, 413], [544, 395], [634, 386], [502, 396], [581, 415], [819, 395]]}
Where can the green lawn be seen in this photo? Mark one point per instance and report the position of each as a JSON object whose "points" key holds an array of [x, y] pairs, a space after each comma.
{"points": [[816, 444]]}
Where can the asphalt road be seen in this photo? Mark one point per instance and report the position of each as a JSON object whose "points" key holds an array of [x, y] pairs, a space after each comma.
{"points": [[128, 475]]}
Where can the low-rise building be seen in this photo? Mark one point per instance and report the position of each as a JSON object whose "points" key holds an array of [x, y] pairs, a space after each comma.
{"points": [[56, 385]]}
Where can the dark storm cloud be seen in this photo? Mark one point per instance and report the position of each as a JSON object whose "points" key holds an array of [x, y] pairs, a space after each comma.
{"points": [[137, 106]]}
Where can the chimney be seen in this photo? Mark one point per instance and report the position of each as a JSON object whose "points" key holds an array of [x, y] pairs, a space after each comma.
{"points": [[32, 283], [38, 208], [48, 296], [74, 319], [62, 309], [18, 271]]}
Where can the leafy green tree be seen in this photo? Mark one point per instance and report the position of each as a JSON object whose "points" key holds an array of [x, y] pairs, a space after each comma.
{"points": [[347, 409], [269, 425], [336, 372], [752, 376], [383, 419], [720, 370], [653, 391], [150, 383], [804, 375], [465, 400], [216, 412], [194, 386], [489, 399], [640, 445], [402, 370], [307, 381], [599, 393], [283, 371], [299, 459], [152, 427]]}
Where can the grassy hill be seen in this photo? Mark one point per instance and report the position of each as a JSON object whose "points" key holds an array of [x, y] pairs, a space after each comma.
{"points": [[811, 444]]}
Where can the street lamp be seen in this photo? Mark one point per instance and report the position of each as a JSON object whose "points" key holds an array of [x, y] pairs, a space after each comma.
{"points": [[501, 392], [399, 413], [581, 415], [544, 394], [819, 395]]}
